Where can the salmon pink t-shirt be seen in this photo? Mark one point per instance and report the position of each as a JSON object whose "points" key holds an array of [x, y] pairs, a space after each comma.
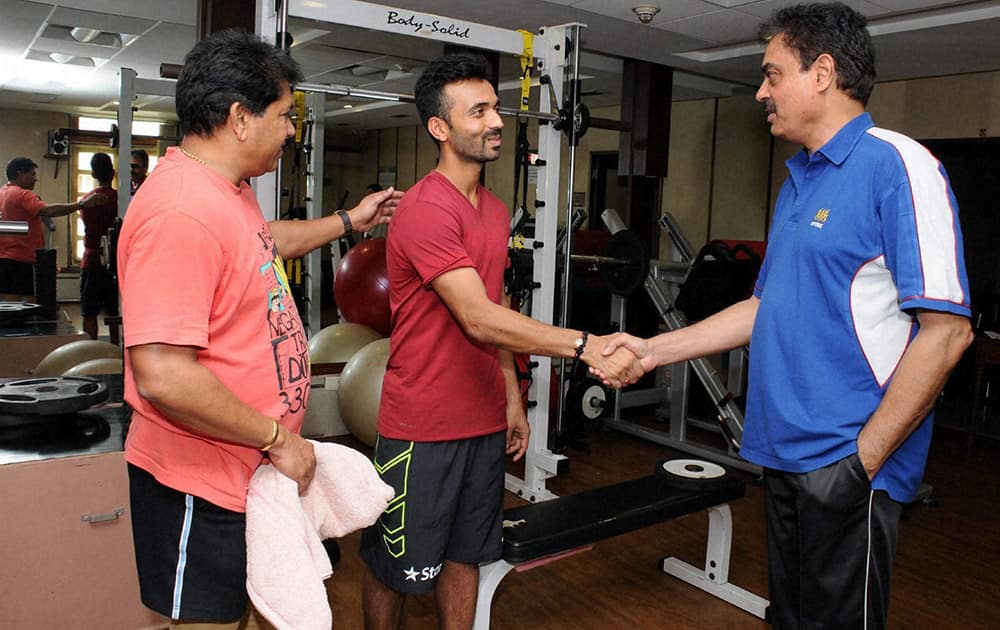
{"points": [[21, 204], [198, 267]]}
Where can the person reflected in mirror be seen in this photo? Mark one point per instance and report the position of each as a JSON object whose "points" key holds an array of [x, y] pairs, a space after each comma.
{"points": [[98, 289], [138, 168], [19, 202]]}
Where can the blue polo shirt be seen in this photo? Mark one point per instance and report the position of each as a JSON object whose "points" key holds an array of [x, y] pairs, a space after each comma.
{"points": [[865, 232]]}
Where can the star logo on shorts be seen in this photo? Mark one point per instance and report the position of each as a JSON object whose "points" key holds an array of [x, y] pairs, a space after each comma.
{"points": [[411, 574]]}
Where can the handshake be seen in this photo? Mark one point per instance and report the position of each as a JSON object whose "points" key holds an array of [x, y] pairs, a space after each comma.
{"points": [[619, 359]]}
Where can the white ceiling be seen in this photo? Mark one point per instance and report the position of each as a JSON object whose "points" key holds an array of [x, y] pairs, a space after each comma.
{"points": [[713, 41]]}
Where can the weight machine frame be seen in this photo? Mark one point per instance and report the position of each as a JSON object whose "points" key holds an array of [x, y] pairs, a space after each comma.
{"points": [[661, 284]]}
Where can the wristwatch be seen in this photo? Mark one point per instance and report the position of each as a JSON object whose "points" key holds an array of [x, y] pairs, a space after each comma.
{"points": [[346, 218]]}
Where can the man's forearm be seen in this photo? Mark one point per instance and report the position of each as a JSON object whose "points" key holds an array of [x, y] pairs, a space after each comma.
{"points": [[59, 209], [509, 371], [297, 238], [727, 329], [194, 398]]}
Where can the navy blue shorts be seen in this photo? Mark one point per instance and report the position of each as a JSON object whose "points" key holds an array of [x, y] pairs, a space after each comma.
{"points": [[448, 506], [191, 555]]}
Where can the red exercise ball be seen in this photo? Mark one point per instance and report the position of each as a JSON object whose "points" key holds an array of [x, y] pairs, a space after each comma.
{"points": [[361, 286]]}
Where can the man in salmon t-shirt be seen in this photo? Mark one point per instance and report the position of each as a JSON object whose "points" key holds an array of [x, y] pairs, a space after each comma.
{"points": [[18, 202], [216, 363], [451, 403]]}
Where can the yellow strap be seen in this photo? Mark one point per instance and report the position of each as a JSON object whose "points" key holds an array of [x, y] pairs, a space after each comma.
{"points": [[299, 99], [527, 61]]}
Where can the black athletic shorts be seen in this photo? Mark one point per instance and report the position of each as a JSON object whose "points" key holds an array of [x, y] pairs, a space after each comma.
{"points": [[448, 506], [190, 554], [98, 291], [16, 277]]}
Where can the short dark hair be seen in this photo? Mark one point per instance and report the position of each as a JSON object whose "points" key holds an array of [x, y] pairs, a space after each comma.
{"points": [[17, 166], [227, 67], [835, 29], [101, 167], [429, 91], [142, 156]]}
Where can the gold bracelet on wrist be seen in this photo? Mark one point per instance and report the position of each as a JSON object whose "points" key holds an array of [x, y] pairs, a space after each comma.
{"points": [[274, 437]]}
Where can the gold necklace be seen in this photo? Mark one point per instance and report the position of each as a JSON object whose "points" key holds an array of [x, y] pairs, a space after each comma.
{"points": [[192, 156]]}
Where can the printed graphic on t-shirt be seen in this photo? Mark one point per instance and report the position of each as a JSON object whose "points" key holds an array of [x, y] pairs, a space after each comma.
{"points": [[288, 340]]}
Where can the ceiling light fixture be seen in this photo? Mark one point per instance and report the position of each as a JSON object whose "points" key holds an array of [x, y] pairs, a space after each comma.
{"points": [[365, 71], [645, 12], [84, 35], [60, 57]]}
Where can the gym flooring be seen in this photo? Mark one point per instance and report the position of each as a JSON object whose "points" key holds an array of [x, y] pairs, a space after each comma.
{"points": [[944, 576]]}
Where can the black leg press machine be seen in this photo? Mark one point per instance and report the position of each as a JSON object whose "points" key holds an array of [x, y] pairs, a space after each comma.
{"points": [[544, 532]]}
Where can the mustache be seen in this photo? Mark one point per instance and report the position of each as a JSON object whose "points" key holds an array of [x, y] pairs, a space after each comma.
{"points": [[494, 134], [769, 107]]}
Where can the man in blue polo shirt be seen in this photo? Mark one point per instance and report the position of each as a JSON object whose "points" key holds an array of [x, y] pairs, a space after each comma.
{"points": [[858, 315]]}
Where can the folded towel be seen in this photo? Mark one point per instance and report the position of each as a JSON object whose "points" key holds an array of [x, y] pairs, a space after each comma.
{"points": [[286, 561]]}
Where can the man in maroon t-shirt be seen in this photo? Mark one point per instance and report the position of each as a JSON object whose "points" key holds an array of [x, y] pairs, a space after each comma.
{"points": [[98, 289], [451, 403]]}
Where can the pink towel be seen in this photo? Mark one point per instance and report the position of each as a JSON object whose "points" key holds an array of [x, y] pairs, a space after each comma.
{"points": [[286, 561]]}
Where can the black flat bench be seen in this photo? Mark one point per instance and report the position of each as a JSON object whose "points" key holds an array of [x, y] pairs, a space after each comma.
{"points": [[544, 532]]}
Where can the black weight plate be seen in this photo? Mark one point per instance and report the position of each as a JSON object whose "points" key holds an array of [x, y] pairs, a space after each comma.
{"points": [[688, 483], [51, 395], [14, 314], [581, 120], [625, 278], [586, 399], [91, 428]]}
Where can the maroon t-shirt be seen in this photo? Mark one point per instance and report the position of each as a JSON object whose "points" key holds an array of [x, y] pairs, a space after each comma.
{"points": [[439, 384], [96, 221]]}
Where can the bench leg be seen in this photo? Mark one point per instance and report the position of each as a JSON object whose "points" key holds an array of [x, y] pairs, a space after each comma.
{"points": [[489, 579], [714, 578]]}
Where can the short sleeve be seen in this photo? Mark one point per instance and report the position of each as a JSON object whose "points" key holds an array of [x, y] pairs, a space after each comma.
{"points": [[923, 244], [434, 242], [170, 289], [32, 203]]}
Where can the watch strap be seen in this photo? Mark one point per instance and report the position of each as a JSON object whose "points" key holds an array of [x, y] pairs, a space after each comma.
{"points": [[346, 218], [581, 343]]}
